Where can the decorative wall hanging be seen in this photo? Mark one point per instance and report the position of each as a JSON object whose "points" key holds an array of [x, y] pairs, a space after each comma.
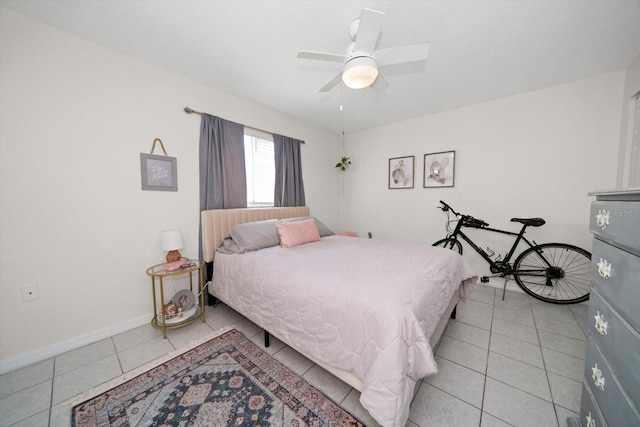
{"points": [[159, 173], [401, 172], [439, 169]]}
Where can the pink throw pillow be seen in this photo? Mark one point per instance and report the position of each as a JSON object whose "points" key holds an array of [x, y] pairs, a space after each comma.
{"points": [[296, 233]]}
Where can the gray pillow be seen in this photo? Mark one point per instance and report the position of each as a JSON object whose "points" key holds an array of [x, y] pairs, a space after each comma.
{"points": [[323, 230], [251, 236]]}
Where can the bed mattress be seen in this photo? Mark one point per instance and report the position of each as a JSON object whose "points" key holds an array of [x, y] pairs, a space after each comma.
{"points": [[367, 307]]}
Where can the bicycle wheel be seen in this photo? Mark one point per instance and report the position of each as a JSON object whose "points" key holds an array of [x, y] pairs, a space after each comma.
{"points": [[554, 272], [449, 243]]}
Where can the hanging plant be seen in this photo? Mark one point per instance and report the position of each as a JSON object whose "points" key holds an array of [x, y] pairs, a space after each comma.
{"points": [[344, 163]]}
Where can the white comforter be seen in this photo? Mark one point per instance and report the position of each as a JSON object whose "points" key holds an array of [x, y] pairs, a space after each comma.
{"points": [[364, 306]]}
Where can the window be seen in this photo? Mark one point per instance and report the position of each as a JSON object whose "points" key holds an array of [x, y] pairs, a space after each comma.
{"points": [[260, 168]]}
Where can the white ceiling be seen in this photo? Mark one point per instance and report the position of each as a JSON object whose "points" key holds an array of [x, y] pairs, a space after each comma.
{"points": [[480, 50]]}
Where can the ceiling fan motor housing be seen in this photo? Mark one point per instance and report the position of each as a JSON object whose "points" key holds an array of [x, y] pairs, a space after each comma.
{"points": [[353, 28]]}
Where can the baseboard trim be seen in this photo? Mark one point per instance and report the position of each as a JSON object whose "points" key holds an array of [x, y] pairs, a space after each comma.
{"points": [[25, 359]]}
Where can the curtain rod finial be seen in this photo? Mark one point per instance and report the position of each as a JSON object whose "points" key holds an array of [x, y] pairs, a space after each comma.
{"points": [[191, 110]]}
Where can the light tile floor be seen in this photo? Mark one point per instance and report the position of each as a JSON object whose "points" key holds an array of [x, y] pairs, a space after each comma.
{"points": [[515, 362]]}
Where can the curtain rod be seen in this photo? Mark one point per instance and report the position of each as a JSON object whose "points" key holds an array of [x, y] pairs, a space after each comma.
{"points": [[192, 111]]}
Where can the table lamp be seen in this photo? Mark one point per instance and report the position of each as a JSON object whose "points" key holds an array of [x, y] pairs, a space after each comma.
{"points": [[172, 241]]}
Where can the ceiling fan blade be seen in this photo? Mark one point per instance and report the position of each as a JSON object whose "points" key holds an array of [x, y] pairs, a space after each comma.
{"points": [[321, 56], [380, 84], [368, 30], [401, 54], [332, 83]]}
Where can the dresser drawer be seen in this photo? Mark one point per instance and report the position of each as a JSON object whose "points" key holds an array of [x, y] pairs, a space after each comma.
{"points": [[614, 404], [589, 411], [617, 221], [616, 274], [618, 342]]}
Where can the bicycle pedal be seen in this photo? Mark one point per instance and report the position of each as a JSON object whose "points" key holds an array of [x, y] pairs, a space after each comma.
{"points": [[484, 279]]}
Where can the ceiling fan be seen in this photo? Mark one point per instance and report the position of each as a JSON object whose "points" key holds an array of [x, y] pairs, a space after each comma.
{"points": [[361, 61]]}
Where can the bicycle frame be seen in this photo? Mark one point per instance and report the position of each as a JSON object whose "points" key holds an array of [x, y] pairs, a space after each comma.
{"points": [[502, 266]]}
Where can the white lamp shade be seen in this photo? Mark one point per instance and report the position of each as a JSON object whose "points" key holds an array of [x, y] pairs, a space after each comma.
{"points": [[360, 72], [172, 240]]}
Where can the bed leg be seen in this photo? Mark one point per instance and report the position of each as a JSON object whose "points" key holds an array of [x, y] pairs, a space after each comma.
{"points": [[211, 300], [266, 339], [453, 313]]}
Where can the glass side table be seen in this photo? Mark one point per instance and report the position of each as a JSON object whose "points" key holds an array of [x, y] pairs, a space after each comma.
{"points": [[160, 320]]}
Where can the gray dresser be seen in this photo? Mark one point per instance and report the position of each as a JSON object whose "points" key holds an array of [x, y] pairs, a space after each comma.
{"points": [[611, 386]]}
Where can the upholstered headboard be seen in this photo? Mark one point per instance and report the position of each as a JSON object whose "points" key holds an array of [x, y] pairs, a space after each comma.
{"points": [[216, 223]]}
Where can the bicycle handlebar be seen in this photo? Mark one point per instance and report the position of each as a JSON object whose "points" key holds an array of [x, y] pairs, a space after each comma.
{"points": [[445, 207], [468, 220]]}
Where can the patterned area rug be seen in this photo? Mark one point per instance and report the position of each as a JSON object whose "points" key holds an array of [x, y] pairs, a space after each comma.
{"points": [[227, 381]]}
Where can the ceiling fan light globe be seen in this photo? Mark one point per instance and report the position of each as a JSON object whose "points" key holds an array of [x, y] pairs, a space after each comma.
{"points": [[360, 72]]}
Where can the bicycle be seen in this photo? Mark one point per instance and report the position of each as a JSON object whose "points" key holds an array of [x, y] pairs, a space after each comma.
{"points": [[557, 273]]}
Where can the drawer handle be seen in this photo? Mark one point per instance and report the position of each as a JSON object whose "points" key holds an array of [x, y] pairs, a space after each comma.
{"points": [[601, 324], [602, 218], [591, 422], [604, 269], [596, 376]]}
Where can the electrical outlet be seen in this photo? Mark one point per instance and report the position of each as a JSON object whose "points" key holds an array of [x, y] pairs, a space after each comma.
{"points": [[30, 293]]}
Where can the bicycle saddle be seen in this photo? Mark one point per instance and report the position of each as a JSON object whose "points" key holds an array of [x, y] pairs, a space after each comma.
{"points": [[533, 222]]}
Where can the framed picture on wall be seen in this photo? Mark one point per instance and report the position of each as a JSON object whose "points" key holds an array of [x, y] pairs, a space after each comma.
{"points": [[401, 172], [159, 173], [439, 169]]}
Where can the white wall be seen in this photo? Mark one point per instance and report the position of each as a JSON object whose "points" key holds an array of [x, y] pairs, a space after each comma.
{"points": [[629, 152], [74, 220], [534, 154]]}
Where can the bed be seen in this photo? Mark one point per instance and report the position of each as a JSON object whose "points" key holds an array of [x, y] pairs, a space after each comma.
{"points": [[370, 312]]}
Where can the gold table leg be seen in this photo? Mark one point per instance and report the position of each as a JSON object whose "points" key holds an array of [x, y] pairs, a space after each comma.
{"points": [[164, 320]]}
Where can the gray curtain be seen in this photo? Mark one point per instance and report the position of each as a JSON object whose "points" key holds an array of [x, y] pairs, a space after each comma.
{"points": [[289, 189], [223, 180]]}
